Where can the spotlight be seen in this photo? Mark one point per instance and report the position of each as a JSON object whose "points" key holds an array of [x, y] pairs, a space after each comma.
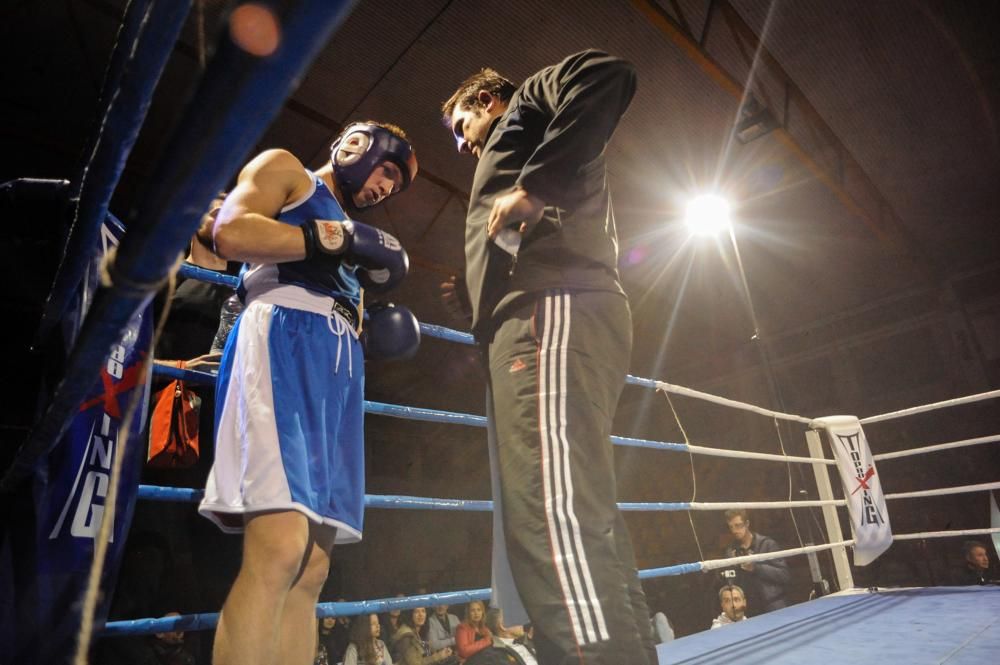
{"points": [[755, 121], [707, 215]]}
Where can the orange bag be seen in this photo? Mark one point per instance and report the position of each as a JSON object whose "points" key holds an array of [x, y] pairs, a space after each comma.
{"points": [[173, 427]]}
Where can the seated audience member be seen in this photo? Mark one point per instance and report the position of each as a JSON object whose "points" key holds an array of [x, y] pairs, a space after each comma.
{"points": [[409, 643], [365, 647], [472, 635], [441, 628], [663, 631], [494, 621], [169, 648], [765, 581], [391, 620], [977, 564], [334, 636], [194, 309], [514, 638], [733, 602]]}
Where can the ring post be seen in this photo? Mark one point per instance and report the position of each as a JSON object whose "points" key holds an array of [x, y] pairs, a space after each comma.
{"points": [[136, 65], [235, 102], [845, 580]]}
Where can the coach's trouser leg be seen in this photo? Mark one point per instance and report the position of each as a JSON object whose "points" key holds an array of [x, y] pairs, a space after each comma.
{"points": [[557, 367]]}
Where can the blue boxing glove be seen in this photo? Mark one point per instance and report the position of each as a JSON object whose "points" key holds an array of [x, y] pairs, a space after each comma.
{"points": [[381, 261], [390, 333], [325, 241]]}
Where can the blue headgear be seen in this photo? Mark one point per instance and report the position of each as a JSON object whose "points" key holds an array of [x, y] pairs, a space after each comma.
{"points": [[352, 164]]}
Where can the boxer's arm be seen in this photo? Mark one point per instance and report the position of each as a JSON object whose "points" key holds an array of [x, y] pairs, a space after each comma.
{"points": [[246, 229]]}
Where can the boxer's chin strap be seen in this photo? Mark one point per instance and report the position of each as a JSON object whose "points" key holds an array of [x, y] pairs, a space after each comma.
{"points": [[342, 328]]}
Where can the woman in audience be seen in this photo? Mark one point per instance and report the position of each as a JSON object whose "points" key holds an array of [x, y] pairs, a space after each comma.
{"points": [[514, 638], [366, 648], [409, 643], [472, 635], [391, 621]]}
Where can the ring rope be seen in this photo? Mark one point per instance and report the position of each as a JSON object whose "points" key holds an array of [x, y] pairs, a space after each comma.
{"points": [[208, 620], [939, 446], [416, 413], [455, 418], [92, 591], [946, 534], [962, 489], [694, 476], [390, 501], [968, 399], [715, 399]]}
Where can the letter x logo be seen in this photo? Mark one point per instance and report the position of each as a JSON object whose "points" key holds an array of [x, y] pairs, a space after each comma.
{"points": [[863, 480], [112, 389]]}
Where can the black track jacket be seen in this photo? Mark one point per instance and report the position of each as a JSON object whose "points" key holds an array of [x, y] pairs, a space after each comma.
{"points": [[551, 142]]}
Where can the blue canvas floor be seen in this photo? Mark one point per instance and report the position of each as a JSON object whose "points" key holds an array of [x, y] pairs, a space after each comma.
{"points": [[918, 626]]}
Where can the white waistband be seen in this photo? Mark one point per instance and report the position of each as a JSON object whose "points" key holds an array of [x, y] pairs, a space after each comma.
{"points": [[295, 297]]}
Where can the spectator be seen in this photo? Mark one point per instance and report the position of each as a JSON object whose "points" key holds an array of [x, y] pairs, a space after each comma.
{"points": [[663, 630], [765, 581], [514, 638], [472, 635], [441, 628], [391, 621], [409, 643], [733, 602], [169, 647], [334, 636], [977, 564], [366, 648], [194, 308]]}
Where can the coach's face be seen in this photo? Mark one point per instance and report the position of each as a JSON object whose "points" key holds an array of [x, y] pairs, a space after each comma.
{"points": [[471, 126]]}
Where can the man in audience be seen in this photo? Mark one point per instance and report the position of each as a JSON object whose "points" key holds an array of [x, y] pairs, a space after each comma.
{"points": [[765, 581], [977, 564], [733, 603], [441, 628]]}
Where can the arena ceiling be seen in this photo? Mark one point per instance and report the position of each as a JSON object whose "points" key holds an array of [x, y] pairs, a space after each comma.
{"points": [[872, 191]]}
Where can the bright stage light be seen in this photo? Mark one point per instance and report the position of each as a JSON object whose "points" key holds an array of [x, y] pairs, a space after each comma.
{"points": [[707, 215]]}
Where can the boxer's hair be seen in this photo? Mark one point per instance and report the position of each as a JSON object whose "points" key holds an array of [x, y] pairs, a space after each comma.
{"points": [[485, 79]]}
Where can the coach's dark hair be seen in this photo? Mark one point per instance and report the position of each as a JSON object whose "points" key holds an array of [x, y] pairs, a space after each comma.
{"points": [[485, 79]]}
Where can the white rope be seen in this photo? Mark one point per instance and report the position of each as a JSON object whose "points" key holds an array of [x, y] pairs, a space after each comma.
{"points": [[715, 564], [754, 505], [688, 392], [945, 490], [745, 454], [939, 446], [969, 399], [945, 534]]}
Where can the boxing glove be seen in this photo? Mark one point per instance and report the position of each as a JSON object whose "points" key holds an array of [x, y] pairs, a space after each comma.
{"points": [[381, 261], [391, 332]]}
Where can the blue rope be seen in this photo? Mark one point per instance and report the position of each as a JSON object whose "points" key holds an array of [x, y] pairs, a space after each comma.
{"points": [[191, 495], [415, 412], [207, 621]]}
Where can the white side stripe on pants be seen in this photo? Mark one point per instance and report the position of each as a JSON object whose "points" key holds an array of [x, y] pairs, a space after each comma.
{"points": [[586, 614]]}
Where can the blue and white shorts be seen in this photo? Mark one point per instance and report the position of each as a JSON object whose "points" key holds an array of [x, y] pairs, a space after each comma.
{"points": [[289, 416]]}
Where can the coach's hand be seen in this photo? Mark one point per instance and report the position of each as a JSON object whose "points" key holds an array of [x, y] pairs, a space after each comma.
{"points": [[517, 206]]}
